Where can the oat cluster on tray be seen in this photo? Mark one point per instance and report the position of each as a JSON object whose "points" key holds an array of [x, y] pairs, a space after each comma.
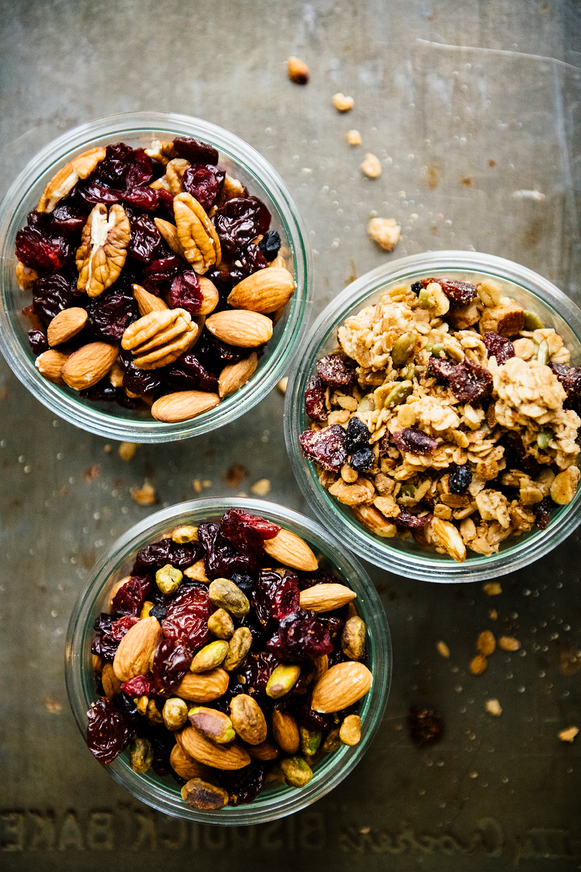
{"points": [[448, 413]]}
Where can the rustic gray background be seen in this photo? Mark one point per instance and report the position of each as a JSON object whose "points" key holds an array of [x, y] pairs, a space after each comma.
{"points": [[465, 103]]}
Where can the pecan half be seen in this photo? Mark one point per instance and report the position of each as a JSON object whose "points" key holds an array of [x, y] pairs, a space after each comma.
{"points": [[159, 337], [103, 249], [196, 233], [65, 180]]}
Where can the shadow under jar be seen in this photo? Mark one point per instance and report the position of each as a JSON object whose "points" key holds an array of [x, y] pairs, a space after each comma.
{"points": [[154, 277], [429, 456], [285, 539]]}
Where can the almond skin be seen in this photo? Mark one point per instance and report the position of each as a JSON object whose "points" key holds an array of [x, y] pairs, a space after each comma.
{"points": [[203, 687], [195, 745], [65, 325], [147, 302], [235, 375], [185, 766], [210, 294], [290, 550], [50, 364], [88, 365], [135, 649], [326, 597], [183, 405], [264, 291], [341, 686], [240, 327], [285, 731]]}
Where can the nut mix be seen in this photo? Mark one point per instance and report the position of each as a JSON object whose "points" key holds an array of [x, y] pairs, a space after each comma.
{"points": [[155, 279], [448, 413], [229, 683]]}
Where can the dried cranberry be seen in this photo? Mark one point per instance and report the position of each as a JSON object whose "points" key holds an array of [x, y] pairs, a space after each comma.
{"points": [[38, 341], [103, 622], [570, 378], [159, 273], [136, 380], [109, 731], [143, 198], [270, 245], [51, 295], [265, 529], [414, 440], [470, 381], [146, 242], [39, 252], [113, 169], [459, 478], [357, 435], [67, 219], [440, 367], [167, 551], [333, 370], [407, 519], [318, 576], [458, 292], [185, 293], [243, 785], [171, 662], [222, 558], [425, 725], [104, 646], [248, 261], [362, 460], [315, 400], [130, 597], [204, 183], [239, 221], [327, 447], [196, 151], [188, 374], [94, 191], [138, 686], [499, 347], [274, 597], [256, 669], [120, 627], [187, 616], [139, 169], [109, 315], [301, 636], [543, 513]]}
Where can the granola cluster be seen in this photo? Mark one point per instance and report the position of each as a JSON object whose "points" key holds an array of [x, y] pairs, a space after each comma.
{"points": [[448, 413]]}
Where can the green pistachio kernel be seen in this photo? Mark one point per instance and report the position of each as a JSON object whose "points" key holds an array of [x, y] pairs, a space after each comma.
{"points": [[283, 678], [227, 595], [140, 755], [168, 579], [210, 656], [310, 741], [296, 771]]}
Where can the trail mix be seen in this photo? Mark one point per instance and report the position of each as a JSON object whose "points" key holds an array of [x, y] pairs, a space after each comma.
{"points": [[229, 658], [155, 279], [447, 413]]}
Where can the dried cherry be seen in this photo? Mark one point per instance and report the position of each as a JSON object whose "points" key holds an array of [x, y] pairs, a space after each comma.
{"points": [[130, 597], [458, 292], [171, 662], [196, 151], [204, 182], [187, 616], [243, 785], [109, 731], [300, 636], [185, 292], [239, 221]]}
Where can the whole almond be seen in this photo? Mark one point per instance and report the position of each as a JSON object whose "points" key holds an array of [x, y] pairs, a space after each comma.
{"points": [[264, 291], [235, 375], [326, 597], [86, 366], [65, 325], [285, 731], [203, 687], [248, 719], [183, 405], [341, 686], [147, 302], [265, 751], [290, 550], [50, 364], [210, 294], [185, 766], [240, 327], [135, 649], [195, 745]]}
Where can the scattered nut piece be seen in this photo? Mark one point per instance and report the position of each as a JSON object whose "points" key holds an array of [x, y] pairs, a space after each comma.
{"points": [[261, 487], [350, 730], [568, 735], [493, 707], [385, 232], [443, 649], [508, 643], [343, 103], [371, 166], [478, 665], [493, 614], [353, 137], [201, 794], [145, 495], [298, 71], [127, 450], [281, 385], [492, 588], [486, 643]]}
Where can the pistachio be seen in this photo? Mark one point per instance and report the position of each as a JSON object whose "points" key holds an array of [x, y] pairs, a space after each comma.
{"points": [[174, 713], [238, 648], [398, 394], [213, 724], [532, 321], [221, 624], [332, 741], [403, 348], [152, 713], [168, 579], [310, 741], [285, 731], [227, 595], [209, 656], [203, 795], [140, 755], [283, 679], [296, 771], [248, 719], [353, 638], [350, 730], [182, 535]]}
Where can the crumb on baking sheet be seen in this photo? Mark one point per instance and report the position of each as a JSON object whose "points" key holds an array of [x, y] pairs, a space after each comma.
{"points": [[492, 588], [353, 137], [343, 103], [261, 487], [52, 705], [298, 71], [235, 475], [442, 649], [127, 450], [508, 643], [493, 707], [478, 664], [371, 166], [568, 735], [145, 495], [385, 232]]}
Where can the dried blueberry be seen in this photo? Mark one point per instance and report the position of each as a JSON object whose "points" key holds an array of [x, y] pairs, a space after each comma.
{"points": [[459, 478], [543, 513], [270, 244], [362, 460], [327, 447], [357, 435]]}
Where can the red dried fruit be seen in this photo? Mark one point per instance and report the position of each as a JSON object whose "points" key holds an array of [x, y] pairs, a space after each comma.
{"points": [[243, 785], [274, 597], [333, 370], [301, 636], [146, 243], [185, 293], [239, 221], [458, 292], [109, 731], [265, 529], [470, 381], [204, 183], [543, 513], [414, 440], [327, 447], [141, 685], [188, 374], [187, 616], [499, 347], [570, 378], [407, 519], [130, 597], [171, 662], [440, 367], [109, 315], [256, 669], [143, 198], [196, 151], [39, 252], [315, 400], [38, 341], [248, 261], [121, 626], [51, 295]]}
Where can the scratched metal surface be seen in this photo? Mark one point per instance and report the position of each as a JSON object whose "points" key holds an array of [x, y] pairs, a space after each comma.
{"points": [[466, 103]]}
